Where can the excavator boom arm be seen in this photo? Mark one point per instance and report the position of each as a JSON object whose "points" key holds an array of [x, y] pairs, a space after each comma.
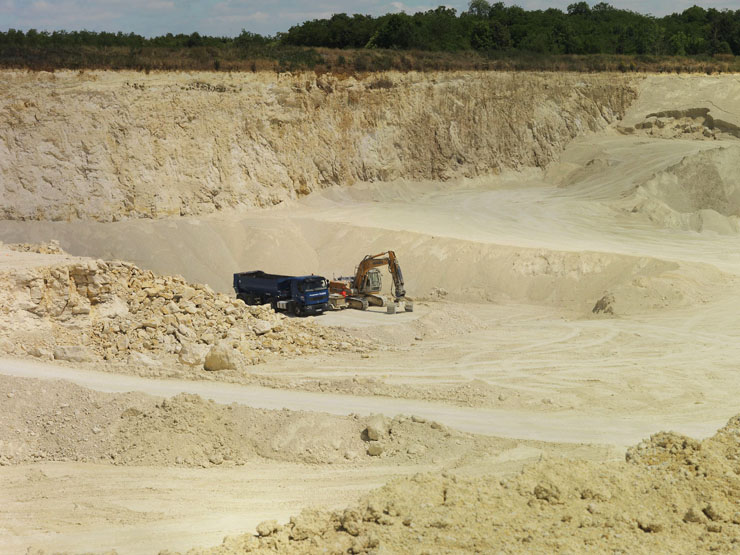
{"points": [[395, 270], [377, 260]]}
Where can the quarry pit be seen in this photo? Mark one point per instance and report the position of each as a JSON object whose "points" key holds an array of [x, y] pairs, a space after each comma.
{"points": [[567, 379]]}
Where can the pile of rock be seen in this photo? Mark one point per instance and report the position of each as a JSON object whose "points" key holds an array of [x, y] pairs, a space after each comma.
{"points": [[673, 495], [416, 438], [52, 247], [88, 310]]}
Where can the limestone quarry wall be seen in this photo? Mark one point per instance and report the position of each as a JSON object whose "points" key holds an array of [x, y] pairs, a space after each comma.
{"points": [[109, 145]]}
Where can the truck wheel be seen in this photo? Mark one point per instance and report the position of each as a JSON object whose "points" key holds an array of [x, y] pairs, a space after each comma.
{"points": [[298, 310]]}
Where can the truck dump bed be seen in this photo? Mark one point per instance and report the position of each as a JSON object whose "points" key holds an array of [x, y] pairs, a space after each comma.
{"points": [[259, 280]]}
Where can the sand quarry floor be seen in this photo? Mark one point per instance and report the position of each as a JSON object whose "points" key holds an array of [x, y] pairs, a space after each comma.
{"points": [[503, 343]]}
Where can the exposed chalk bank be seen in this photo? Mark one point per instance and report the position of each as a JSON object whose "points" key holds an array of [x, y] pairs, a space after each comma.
{"points": [[113, 145]]}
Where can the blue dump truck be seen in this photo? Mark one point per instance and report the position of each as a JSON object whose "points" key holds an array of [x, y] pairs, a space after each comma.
{"points": [[299, 295]]}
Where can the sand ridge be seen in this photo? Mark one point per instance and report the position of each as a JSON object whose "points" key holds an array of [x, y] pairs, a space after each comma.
{"points": [[58, 421]]}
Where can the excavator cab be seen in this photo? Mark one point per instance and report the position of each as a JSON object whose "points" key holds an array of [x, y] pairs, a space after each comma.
{"points": [[372, 283]]}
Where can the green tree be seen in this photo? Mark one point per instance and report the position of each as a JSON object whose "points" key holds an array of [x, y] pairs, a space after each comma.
{"points": [[579, 8], [396, 32], [677, 44], [194, 40], [479, 8]]}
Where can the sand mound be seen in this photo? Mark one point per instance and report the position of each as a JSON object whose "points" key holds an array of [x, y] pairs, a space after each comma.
{"points": [[700, 193], [673, 495], [187, 430], [673, 287], [711, 101], [84, 310], [59, 421]]}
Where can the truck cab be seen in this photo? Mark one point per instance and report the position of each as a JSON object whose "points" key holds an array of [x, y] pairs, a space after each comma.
{"points": [[309, 295]]}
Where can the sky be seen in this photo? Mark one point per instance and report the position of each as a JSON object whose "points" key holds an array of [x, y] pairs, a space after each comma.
{"points": [[229, 17]]}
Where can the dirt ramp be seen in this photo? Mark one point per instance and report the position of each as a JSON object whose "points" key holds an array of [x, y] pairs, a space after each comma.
{"points": [[700, 193], [574, 281]]}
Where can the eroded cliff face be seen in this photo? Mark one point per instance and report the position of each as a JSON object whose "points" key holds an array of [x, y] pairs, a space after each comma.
{"points": [[108, 145]]}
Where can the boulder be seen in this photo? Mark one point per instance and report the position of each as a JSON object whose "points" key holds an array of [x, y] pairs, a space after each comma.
{"points": [[6, 346], [261, 327], [267, 528], [40, 351], [72, 353], [114, 308], [193, 354], [605, 305], [140, 359], [377, 427], [187, 293], [122, 343], [305, 525], [222, 356]]}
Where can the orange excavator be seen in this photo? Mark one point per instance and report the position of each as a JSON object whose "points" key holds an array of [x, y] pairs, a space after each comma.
{"points": [[363, 289]]}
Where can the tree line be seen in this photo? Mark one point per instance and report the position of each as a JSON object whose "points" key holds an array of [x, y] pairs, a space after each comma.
{"points": [[582, 29], [39, 39], [485, 36]]}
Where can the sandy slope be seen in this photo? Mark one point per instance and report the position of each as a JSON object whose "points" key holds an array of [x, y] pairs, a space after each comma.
{"points": [[140, 474], [74, 507]]}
